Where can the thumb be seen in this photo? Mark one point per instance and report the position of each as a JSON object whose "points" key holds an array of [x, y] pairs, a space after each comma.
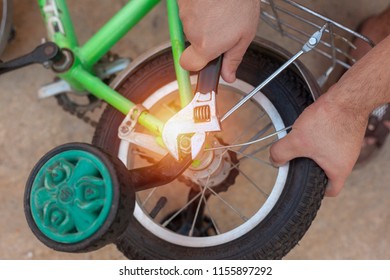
{"points": [[232, 59], [192, 60], [285, 150], [336, 181]]}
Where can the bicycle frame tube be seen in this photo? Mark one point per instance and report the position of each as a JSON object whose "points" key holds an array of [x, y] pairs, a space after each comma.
{"points": [[178, 44], [93, 84], [114, 30], [59, 24], [61, 30], [80, 76]]}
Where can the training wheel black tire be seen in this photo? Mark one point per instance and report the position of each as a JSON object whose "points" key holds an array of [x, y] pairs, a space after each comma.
{"points": [[77, 198]]}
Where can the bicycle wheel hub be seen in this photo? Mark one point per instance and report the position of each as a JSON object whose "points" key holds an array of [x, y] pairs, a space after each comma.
{"points": [[211, 167]]}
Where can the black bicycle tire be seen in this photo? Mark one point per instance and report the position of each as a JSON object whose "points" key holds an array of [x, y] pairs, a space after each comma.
{"points": [[298, 204]]}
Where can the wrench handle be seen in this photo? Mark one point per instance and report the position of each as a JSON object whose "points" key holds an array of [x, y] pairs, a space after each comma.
{"points": [[208, 77]]}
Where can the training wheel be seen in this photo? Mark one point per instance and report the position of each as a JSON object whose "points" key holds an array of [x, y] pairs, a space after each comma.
{"points": [[76, 198]]}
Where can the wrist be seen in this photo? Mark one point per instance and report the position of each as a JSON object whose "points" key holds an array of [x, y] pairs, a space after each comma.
{"points": [[340, 108], [346, 100]]}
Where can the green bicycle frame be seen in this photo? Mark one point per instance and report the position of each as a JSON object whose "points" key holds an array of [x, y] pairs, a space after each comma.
{"points": [[81, 77]]}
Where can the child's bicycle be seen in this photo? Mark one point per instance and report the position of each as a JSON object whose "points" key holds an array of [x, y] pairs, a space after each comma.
{"points": [[165, 176]]}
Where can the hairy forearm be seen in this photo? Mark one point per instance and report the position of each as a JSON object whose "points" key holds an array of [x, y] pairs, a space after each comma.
{"points": [[367, 84]]}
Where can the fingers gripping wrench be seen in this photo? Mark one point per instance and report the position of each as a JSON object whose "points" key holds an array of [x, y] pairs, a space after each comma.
{"points": [[185, 132]]}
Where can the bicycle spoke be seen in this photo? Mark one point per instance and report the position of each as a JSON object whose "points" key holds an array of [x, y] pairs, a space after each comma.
{"points": [[251, 157], [149, 196], [211, 217], [250, 143], [257, 135], [255, 151], [180, 210], [198, 207], [251, 181], [228, 205], [235, 166], [249, 126]]}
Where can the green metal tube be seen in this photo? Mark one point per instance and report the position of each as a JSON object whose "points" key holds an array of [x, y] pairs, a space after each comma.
{"points": [[98, 88], [100, 43], [178, 45], [59, 23], [94, 85]]}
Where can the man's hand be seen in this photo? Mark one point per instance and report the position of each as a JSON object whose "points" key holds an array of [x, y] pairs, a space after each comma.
{"points": [[329, 135], [331, 130], [215, 27]]}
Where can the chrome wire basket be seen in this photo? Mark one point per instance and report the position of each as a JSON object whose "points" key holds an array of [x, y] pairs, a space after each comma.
{"points": [[297, 22]]}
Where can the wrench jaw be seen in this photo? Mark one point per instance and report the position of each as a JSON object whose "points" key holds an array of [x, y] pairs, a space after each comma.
{"points": [[197, 143], [192, 122], [187, 129]]}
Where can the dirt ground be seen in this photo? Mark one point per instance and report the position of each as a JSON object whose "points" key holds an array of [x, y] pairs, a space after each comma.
{"points": [[355, 225]]}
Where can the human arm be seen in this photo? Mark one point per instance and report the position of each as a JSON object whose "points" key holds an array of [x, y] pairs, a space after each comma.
{"points": [[331, 130], [215, 27]]}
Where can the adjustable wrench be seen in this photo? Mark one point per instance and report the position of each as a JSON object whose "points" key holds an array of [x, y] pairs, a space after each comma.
{"points": [[185, 132]]}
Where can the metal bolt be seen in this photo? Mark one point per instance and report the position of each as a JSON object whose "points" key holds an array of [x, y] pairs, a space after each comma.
{"points": [[47, 64], [185, 144], [49, 49], [313, 41], [124, 129]]}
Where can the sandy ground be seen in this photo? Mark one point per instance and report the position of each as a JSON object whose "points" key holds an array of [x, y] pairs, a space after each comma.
{"points": [[355, 225]]}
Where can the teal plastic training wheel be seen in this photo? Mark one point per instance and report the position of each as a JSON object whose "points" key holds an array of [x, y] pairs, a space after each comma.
{"points": [[76, 198]]}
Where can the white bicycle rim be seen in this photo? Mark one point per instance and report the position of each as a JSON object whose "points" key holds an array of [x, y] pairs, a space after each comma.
{"points": [[280, 181]]}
